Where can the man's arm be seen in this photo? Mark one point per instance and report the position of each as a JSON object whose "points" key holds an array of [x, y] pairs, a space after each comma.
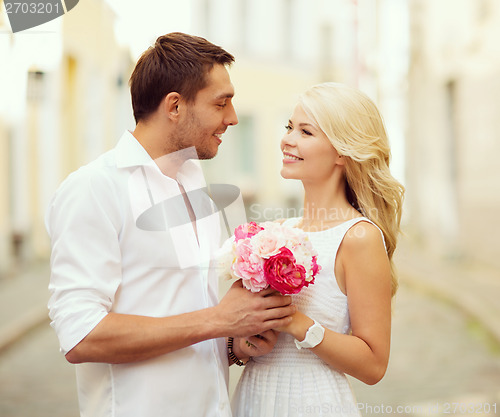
{"points": [[84, 225], [121, 338]]}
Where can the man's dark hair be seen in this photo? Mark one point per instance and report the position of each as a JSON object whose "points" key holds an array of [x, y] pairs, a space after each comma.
{"points": [[177, 62]]}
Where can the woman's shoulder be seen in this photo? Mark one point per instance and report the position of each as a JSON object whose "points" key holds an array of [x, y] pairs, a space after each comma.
{"points": [[363, 235]]}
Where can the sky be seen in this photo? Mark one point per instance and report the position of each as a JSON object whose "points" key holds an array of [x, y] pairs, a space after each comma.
{"points": [[138, 24]]}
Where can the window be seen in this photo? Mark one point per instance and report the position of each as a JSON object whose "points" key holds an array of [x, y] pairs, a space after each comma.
{"points": [[35, 85]]}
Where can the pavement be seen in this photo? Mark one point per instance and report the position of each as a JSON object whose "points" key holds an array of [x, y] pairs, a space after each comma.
{"points": [[23, 302], [471, 287]]}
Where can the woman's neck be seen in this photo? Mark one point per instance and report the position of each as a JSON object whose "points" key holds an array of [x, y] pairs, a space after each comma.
{"points": [[326, 205]]}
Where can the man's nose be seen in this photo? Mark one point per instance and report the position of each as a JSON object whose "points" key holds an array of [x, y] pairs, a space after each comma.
{"points": [[231, 118]]}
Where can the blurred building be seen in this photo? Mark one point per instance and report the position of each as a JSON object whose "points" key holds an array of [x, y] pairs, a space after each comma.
{"points": [[453, 135], [5, 247], [63, 95]]}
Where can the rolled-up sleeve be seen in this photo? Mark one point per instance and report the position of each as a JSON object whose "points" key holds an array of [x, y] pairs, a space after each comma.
{"points": [[83, 221]]}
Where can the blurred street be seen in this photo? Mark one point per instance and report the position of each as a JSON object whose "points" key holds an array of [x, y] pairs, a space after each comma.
{"points": [[439, 357], [443, 361], [35, 379]]}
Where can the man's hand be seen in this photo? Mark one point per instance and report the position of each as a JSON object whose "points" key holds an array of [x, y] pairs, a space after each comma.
{"points": [[123, 338], [257, 345], [245, 314]]}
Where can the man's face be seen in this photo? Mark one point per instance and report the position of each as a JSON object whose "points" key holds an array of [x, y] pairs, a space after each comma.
{"points": [[207, 118]]}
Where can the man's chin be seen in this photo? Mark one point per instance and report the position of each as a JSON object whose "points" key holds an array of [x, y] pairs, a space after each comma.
{"points": [[203, 156]]}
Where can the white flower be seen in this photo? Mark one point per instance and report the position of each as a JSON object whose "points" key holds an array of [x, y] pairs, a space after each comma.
{"points": [[225, 257], [268, 242]]}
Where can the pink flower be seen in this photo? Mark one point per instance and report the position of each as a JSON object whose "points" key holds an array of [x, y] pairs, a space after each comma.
{"points": [[283, 273], [269, 254], [315, 267], [267, 243], [246, 230], [249, 267]]}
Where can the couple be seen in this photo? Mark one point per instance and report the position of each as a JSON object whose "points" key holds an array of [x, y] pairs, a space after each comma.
{"points": [[147, 331]]}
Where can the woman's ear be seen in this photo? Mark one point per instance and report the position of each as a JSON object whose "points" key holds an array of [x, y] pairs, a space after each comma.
{"points": [[340, 160], [170, 105]]}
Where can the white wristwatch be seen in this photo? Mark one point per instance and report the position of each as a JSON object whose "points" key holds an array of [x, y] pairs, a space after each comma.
{"points": [[314, 337]]}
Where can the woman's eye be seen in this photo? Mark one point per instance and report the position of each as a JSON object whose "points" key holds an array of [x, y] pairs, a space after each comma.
{"points": [[288, 128], [306, 132]]}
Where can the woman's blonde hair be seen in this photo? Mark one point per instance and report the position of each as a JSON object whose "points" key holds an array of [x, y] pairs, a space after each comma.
{"points": [[356, 130]]}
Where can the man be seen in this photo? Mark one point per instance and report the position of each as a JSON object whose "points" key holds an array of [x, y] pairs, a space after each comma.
{"points": [[133, 292]]}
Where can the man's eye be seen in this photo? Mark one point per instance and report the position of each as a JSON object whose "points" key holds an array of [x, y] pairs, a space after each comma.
{"points": [[221, 105]]}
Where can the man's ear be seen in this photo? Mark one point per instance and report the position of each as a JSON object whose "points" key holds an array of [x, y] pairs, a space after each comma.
{"points": [[170, 105]]}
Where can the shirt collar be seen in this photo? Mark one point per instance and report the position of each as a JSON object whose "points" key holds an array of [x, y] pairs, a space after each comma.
{"points": [[130, 153]]}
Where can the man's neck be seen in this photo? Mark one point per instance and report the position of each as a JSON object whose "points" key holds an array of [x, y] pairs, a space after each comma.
{"points": [[156, 145]]}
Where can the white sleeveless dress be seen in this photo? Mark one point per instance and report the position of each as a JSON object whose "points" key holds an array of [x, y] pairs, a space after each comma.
{"points": [[289, 382]]}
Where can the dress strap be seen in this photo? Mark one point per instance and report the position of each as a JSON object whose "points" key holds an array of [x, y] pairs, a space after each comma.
{"points": [[294, 222], [352, 222]]}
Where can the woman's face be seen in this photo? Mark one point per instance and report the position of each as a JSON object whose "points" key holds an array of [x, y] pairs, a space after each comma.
{"points": [[308, 154]]}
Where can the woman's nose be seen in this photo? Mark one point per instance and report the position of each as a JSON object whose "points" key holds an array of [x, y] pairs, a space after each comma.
{"points": [[288, 140]]}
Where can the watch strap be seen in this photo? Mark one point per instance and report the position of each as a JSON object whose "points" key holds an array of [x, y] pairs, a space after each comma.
{"points": [[314, 336]]}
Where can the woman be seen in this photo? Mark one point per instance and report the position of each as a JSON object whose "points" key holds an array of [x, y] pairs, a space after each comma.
{"points": [[337, 146]]}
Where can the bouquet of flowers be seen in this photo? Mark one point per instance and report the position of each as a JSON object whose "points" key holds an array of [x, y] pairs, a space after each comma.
{"points": [[269, 255]]}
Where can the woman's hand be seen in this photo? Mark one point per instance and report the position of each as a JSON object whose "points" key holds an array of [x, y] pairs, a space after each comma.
{"points": [[298, 326]]}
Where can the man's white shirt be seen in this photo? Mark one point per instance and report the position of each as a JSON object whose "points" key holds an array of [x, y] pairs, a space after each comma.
{"points": [[121, 242]]}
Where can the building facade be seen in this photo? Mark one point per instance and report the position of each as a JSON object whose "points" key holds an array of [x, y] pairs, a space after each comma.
{"points": [[453, 134], [64, 92]]}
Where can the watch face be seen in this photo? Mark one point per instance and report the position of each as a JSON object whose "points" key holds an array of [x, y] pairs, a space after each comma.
{"points": [[316, 335]]}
